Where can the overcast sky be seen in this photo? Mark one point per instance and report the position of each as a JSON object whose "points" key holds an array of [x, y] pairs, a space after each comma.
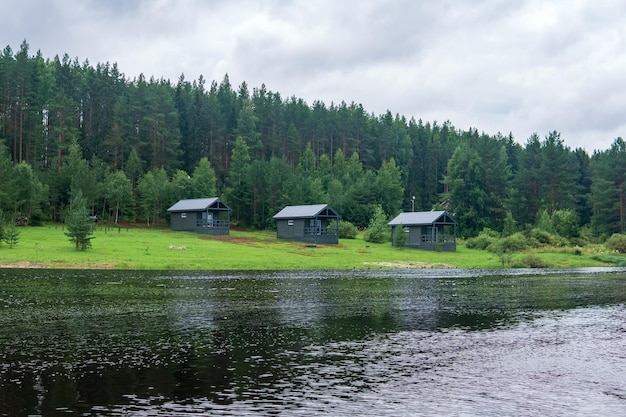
{"points": [[523, 66]]}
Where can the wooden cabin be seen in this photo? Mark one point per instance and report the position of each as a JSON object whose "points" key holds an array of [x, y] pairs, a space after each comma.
{"points": [[430, 230], [201, 215], [308, 223]]}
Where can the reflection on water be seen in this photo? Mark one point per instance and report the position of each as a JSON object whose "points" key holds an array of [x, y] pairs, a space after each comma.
{"points": [[410, 342]]}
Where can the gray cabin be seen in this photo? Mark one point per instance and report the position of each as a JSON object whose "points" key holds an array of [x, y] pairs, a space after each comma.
{"points": [[201, 215], [430, 230], [310, 223]]}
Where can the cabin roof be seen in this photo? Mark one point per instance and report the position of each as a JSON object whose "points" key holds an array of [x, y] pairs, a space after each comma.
{"points": [[306, 211], [198, 204], [419, 218]]}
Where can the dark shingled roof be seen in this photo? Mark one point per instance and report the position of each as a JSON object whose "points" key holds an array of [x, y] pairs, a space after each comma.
{"points": [[307, 211], [195, 204], [421, 218]]}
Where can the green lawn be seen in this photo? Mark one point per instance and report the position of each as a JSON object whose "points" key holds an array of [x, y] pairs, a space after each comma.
{"points": [[162, 249]]}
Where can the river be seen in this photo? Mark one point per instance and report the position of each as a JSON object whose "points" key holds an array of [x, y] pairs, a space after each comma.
{"points": [[415, 342]]}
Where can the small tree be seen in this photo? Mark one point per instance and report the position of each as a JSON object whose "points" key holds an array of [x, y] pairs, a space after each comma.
{"points": [[11, 235], [509, 225], [565, 223], [79, 225], [400, 236], [544, 222], [377, 231], [2, 226]]}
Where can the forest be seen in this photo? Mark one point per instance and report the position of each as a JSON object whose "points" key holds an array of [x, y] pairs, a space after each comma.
{"points": [[135, 147]]}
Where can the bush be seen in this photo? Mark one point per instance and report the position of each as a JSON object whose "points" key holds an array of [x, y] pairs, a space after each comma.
{"points": [[617, 243], [510, 244], [543, 237], [483, 240], [578, 241], [347, 230], [533, 261]]}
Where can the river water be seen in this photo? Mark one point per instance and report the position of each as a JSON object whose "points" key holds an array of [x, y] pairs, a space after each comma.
{"points": [[445, 342]]}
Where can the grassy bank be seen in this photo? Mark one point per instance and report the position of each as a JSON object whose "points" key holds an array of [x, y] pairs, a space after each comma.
{"points": [[141, 248]]}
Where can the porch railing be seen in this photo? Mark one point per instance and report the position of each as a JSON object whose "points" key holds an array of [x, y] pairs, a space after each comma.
{"points": [[213, 223], [439, 238], [319, 231]]}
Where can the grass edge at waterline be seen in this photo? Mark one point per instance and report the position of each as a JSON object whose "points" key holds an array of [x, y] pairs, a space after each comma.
{"points": [[163, 249]]}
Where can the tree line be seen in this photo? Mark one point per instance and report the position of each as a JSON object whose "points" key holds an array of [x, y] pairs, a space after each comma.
{"points": [[134, 147]]}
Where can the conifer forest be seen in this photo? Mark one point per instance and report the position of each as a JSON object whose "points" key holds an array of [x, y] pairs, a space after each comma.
{"points": [[133, 147]]}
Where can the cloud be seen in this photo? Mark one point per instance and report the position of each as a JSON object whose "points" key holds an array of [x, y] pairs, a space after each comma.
{"points": [[499, 66]]}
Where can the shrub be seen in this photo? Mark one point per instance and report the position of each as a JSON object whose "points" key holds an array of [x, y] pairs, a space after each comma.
{"points": [[483, 240], [347, 230], [578, 241], [617, 242], [534, 261], [510, 244], [490, 232], [543, 237], [479, 242]]}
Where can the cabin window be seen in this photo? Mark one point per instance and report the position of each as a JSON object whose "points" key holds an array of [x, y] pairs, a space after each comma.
{"points": [[289, 222], [183, 215]]}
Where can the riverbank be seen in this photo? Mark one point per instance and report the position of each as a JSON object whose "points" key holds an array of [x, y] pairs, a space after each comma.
{"points": [[133, 247]]}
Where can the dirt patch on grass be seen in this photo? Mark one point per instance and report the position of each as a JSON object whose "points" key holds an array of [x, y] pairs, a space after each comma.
{"points": [[409, 264], [101, 265], [36, 265], [24, 264], [240, 240]]}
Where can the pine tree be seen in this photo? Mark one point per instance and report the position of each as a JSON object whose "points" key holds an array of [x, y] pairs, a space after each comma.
{"points": [[79, 225], [203, 180], [2, 226], [400, 236], [377, 231], [11, 235], [237, 188]]}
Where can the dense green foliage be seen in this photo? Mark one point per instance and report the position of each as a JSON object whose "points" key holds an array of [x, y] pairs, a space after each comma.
{"points": [[134, 147]]}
